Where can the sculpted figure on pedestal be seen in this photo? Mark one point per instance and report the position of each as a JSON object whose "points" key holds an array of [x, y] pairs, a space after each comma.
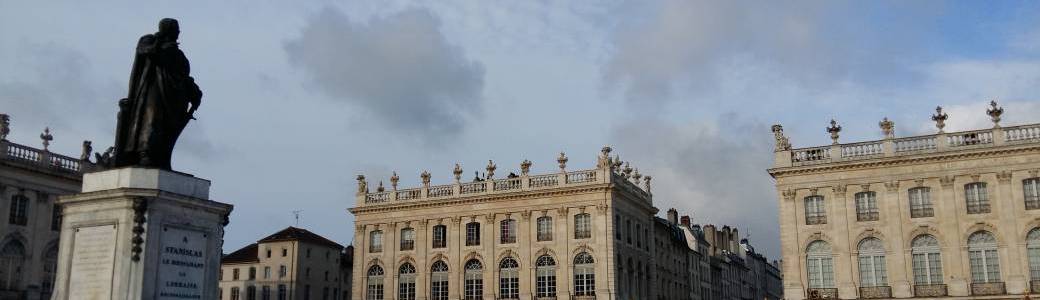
{"points": [[162, 99]]}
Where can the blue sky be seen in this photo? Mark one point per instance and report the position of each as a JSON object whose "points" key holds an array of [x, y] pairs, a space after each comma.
{"points": [[301, 97]]}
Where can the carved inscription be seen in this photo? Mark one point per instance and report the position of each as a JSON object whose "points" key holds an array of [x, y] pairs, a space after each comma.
{"points": [[93, 260], [182, 264]]}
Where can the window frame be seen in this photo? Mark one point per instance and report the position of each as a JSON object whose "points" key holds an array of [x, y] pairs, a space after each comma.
{"points": [[815, 210], [976, 198], [866, 206], [1031, 193], [407, 242], [920, 202], [507, 231], [545, 228], [440, 237]]}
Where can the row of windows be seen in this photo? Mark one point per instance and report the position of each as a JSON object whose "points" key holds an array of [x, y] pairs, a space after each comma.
{"points": [[19, 212], [625, 233], [473, 279], [975, 196], [507, 233], [282, 293], [926, 260], [282, 270]]}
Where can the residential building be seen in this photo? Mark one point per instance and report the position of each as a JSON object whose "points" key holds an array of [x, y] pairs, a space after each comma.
{"points": [[950, 214], [31, 179], [582, 234], [291, 264]]}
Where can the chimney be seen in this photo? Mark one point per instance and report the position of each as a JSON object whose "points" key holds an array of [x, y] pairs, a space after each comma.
{"points": [[685, 220], [673, 216]]}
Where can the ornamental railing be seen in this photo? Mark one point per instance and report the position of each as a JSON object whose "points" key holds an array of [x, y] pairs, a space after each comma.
{"points": [[929, 290], [875, 292], [914, 145], [630, 182], [1034, 286], [26, 155], [822, 293], [988, 288]]}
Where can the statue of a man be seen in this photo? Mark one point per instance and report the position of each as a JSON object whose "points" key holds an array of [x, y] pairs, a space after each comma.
{"points": [[162, 99]]}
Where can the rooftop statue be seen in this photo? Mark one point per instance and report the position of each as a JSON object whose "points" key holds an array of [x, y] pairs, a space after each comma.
{"points": [[162, 99]]}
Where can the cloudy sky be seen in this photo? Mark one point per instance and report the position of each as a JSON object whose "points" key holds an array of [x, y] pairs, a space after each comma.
{"points": [[300, 97]]}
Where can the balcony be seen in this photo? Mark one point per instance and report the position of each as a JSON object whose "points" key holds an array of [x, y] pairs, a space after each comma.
{"points": [[921, 212], [875, 292], [867, 216], [815, 220], [1034, 286], [978, 209], [823, 293], [988, 288], [930, 290]]}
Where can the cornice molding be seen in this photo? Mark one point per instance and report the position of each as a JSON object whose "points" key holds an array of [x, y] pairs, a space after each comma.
{"points": [[481, 199]]}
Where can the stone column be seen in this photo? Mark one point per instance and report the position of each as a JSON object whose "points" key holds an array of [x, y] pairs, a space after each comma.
{"points": [[1006, 205], [136, 233], [893, 215], [955, 266]]}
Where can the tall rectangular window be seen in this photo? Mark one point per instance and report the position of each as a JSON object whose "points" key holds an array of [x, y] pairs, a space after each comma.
{"points": [[375, 241], [582, 226], [976, 198], [617, 227], [440, 236], [1031, 190], [866, 206], [282, 292], [282, 271], [508, 231], [234, 274], [19, 210], [56, 217], [407, 239], [267, 272], [545, 229], [472, 234], [265, 293], [252, 273], [920, 202], [814, 210]]}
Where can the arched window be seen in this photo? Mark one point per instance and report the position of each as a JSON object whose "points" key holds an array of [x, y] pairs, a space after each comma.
{"points": [[19, 210], [375, 241], [927, 260], [50, 264], [545, 277], [872, 263], [406, 282], [920, 202], [1031, 190], [375, 284], [509, 279], [508, 231], [866, 206], [976, 198], [472, 234], [584, 275], [440, 236], [819, 264], [474, 289], [545, 229], [983, 258], [582, 226], [814, 211], [12, 257], [439, 281], [407, 239], [1033, 252]]}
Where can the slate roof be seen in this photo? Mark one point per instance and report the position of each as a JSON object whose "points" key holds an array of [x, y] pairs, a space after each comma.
{"points": [[248, 254], [299, 234]]}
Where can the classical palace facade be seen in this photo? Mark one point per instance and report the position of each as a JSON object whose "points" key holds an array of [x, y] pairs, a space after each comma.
{"points": [[292, 263], [582, 234], [942, 215], [31, 179]]}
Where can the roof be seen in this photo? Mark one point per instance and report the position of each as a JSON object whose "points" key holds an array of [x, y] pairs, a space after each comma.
{"points": [[248, 254], [299, 234]]}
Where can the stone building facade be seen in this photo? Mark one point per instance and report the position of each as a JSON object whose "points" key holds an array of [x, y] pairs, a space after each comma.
{"points": [[942, 215], [291, 264], [581, 234], [31, 179]]}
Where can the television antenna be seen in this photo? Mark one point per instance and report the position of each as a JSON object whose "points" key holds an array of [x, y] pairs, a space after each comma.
{"points": [[296, 214]]}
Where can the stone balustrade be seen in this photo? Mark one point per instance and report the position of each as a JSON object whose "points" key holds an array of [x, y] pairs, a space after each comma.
{"points": [[895, 147], [26, 155], [930, 290], [875, 292], [609, 171], [988, 288]]}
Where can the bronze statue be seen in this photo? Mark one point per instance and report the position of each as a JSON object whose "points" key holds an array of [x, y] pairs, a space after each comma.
{"points": [[162, 99]]}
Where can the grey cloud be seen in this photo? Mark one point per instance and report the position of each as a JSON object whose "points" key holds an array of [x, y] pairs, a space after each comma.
{"points": [[399, 69], [713, 171], [693, 46]]}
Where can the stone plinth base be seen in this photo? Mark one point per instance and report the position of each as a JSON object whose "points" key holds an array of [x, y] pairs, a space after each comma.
{"points": [[140, 234]]}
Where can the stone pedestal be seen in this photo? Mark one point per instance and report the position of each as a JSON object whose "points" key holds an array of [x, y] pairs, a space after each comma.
{"points": [[139, 233]]}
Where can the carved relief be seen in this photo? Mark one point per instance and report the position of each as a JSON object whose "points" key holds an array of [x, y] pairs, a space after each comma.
{"points": [[526, 215], [1004, 176], [865, 187], [919, 182], [892, 186], [975, 177], [946, 181], [561, 211], [789, 194], [490, 218], [812, 191]]}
